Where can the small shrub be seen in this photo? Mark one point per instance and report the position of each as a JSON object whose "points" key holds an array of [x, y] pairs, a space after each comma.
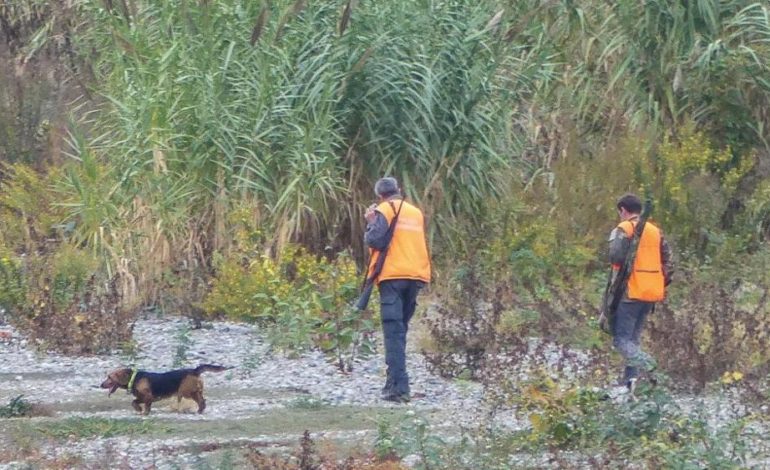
{"points": [[256, 290], [53, 290], [60, 300], [308, 459], [483, 328], [464, 330], [694, 184], [560, 416], [302, 299], [653, 430], [715, 321], [385, 443], [28, 210], [305, 403], [71, 270], [17, 407], [310, 455], [411, 436], [12, 283], [182, 346]]}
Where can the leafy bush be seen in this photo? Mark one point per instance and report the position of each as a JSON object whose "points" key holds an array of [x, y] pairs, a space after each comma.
{"points": [[412, 436], [262, 288], [560, 417], [694, 183], [576, 426], [12, 283], [303, 299], [716, 319], [28, 210], [60, 300], [523, 283], [54, 290], [71, 269], [251, 293], [653, 429]]}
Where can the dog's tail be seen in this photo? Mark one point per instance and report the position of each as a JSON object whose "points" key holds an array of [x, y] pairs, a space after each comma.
{"points": [[209, 368]]}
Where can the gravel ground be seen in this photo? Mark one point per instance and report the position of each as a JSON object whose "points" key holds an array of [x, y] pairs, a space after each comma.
{"points": [[260, 386], [226, 343], [260, 382]]}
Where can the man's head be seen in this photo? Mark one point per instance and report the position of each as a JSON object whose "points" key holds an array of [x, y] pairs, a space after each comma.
{"points": [[629, 204], [386, 187]]}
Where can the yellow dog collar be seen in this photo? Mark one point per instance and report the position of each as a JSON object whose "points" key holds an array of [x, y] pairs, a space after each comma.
{"points": [[134, 370]]}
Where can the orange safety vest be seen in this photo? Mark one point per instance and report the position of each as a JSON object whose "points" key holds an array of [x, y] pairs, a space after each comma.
{"points": [[407, 256], [646, 282]]}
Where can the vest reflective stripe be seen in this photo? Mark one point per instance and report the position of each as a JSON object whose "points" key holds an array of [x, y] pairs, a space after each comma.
{"points": [[407, 256], [646, 282]]}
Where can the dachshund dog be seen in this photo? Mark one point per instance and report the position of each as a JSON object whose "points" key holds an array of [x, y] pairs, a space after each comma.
{"points": [[148, 387]]}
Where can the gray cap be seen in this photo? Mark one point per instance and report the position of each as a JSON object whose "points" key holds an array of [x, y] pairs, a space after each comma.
{"points": [[385, 187]]}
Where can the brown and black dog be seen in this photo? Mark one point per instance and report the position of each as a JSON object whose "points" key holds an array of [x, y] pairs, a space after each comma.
{"points": [[148, 387]]}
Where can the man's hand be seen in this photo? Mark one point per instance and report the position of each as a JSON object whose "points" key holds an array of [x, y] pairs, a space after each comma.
{"points": [[370, 215]]}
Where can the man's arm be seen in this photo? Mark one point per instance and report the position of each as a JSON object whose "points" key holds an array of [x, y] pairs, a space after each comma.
{"points": [[376, 235], [619, 245]]}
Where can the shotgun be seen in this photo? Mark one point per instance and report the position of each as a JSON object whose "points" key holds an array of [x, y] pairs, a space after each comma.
{"points": [[368, 287]]}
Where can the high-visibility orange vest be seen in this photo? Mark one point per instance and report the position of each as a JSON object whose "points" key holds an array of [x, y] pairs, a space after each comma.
{"points": [[407, 256], [646, 282]]}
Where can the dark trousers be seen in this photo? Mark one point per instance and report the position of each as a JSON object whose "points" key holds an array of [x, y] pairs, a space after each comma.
{"points": [[398, 300], [627, 332]]}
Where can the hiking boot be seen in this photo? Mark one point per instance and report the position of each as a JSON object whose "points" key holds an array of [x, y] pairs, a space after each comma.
{"points": [[396, 397], [631, 386], [616, 392], [386, 389]]}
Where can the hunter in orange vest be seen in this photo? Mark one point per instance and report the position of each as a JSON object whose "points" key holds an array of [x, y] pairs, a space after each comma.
{"points": [[650, 275], [405, 270]]}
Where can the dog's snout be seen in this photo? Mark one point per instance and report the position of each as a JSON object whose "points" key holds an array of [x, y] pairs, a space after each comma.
{"points": [[110, 384]]}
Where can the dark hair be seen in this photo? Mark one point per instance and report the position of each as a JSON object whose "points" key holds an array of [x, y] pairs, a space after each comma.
{"points": [[631, 203]]}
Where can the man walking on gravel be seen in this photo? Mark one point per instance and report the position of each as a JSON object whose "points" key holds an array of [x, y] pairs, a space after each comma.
{"points": [[405, 270], [647, 282]]}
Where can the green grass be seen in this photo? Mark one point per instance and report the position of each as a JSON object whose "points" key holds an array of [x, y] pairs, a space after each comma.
{"points": [[305, 403], [83, 428], [305, 414]]}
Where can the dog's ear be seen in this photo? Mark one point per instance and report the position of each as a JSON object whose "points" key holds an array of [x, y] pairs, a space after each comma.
{"points": [[122, 376]]}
